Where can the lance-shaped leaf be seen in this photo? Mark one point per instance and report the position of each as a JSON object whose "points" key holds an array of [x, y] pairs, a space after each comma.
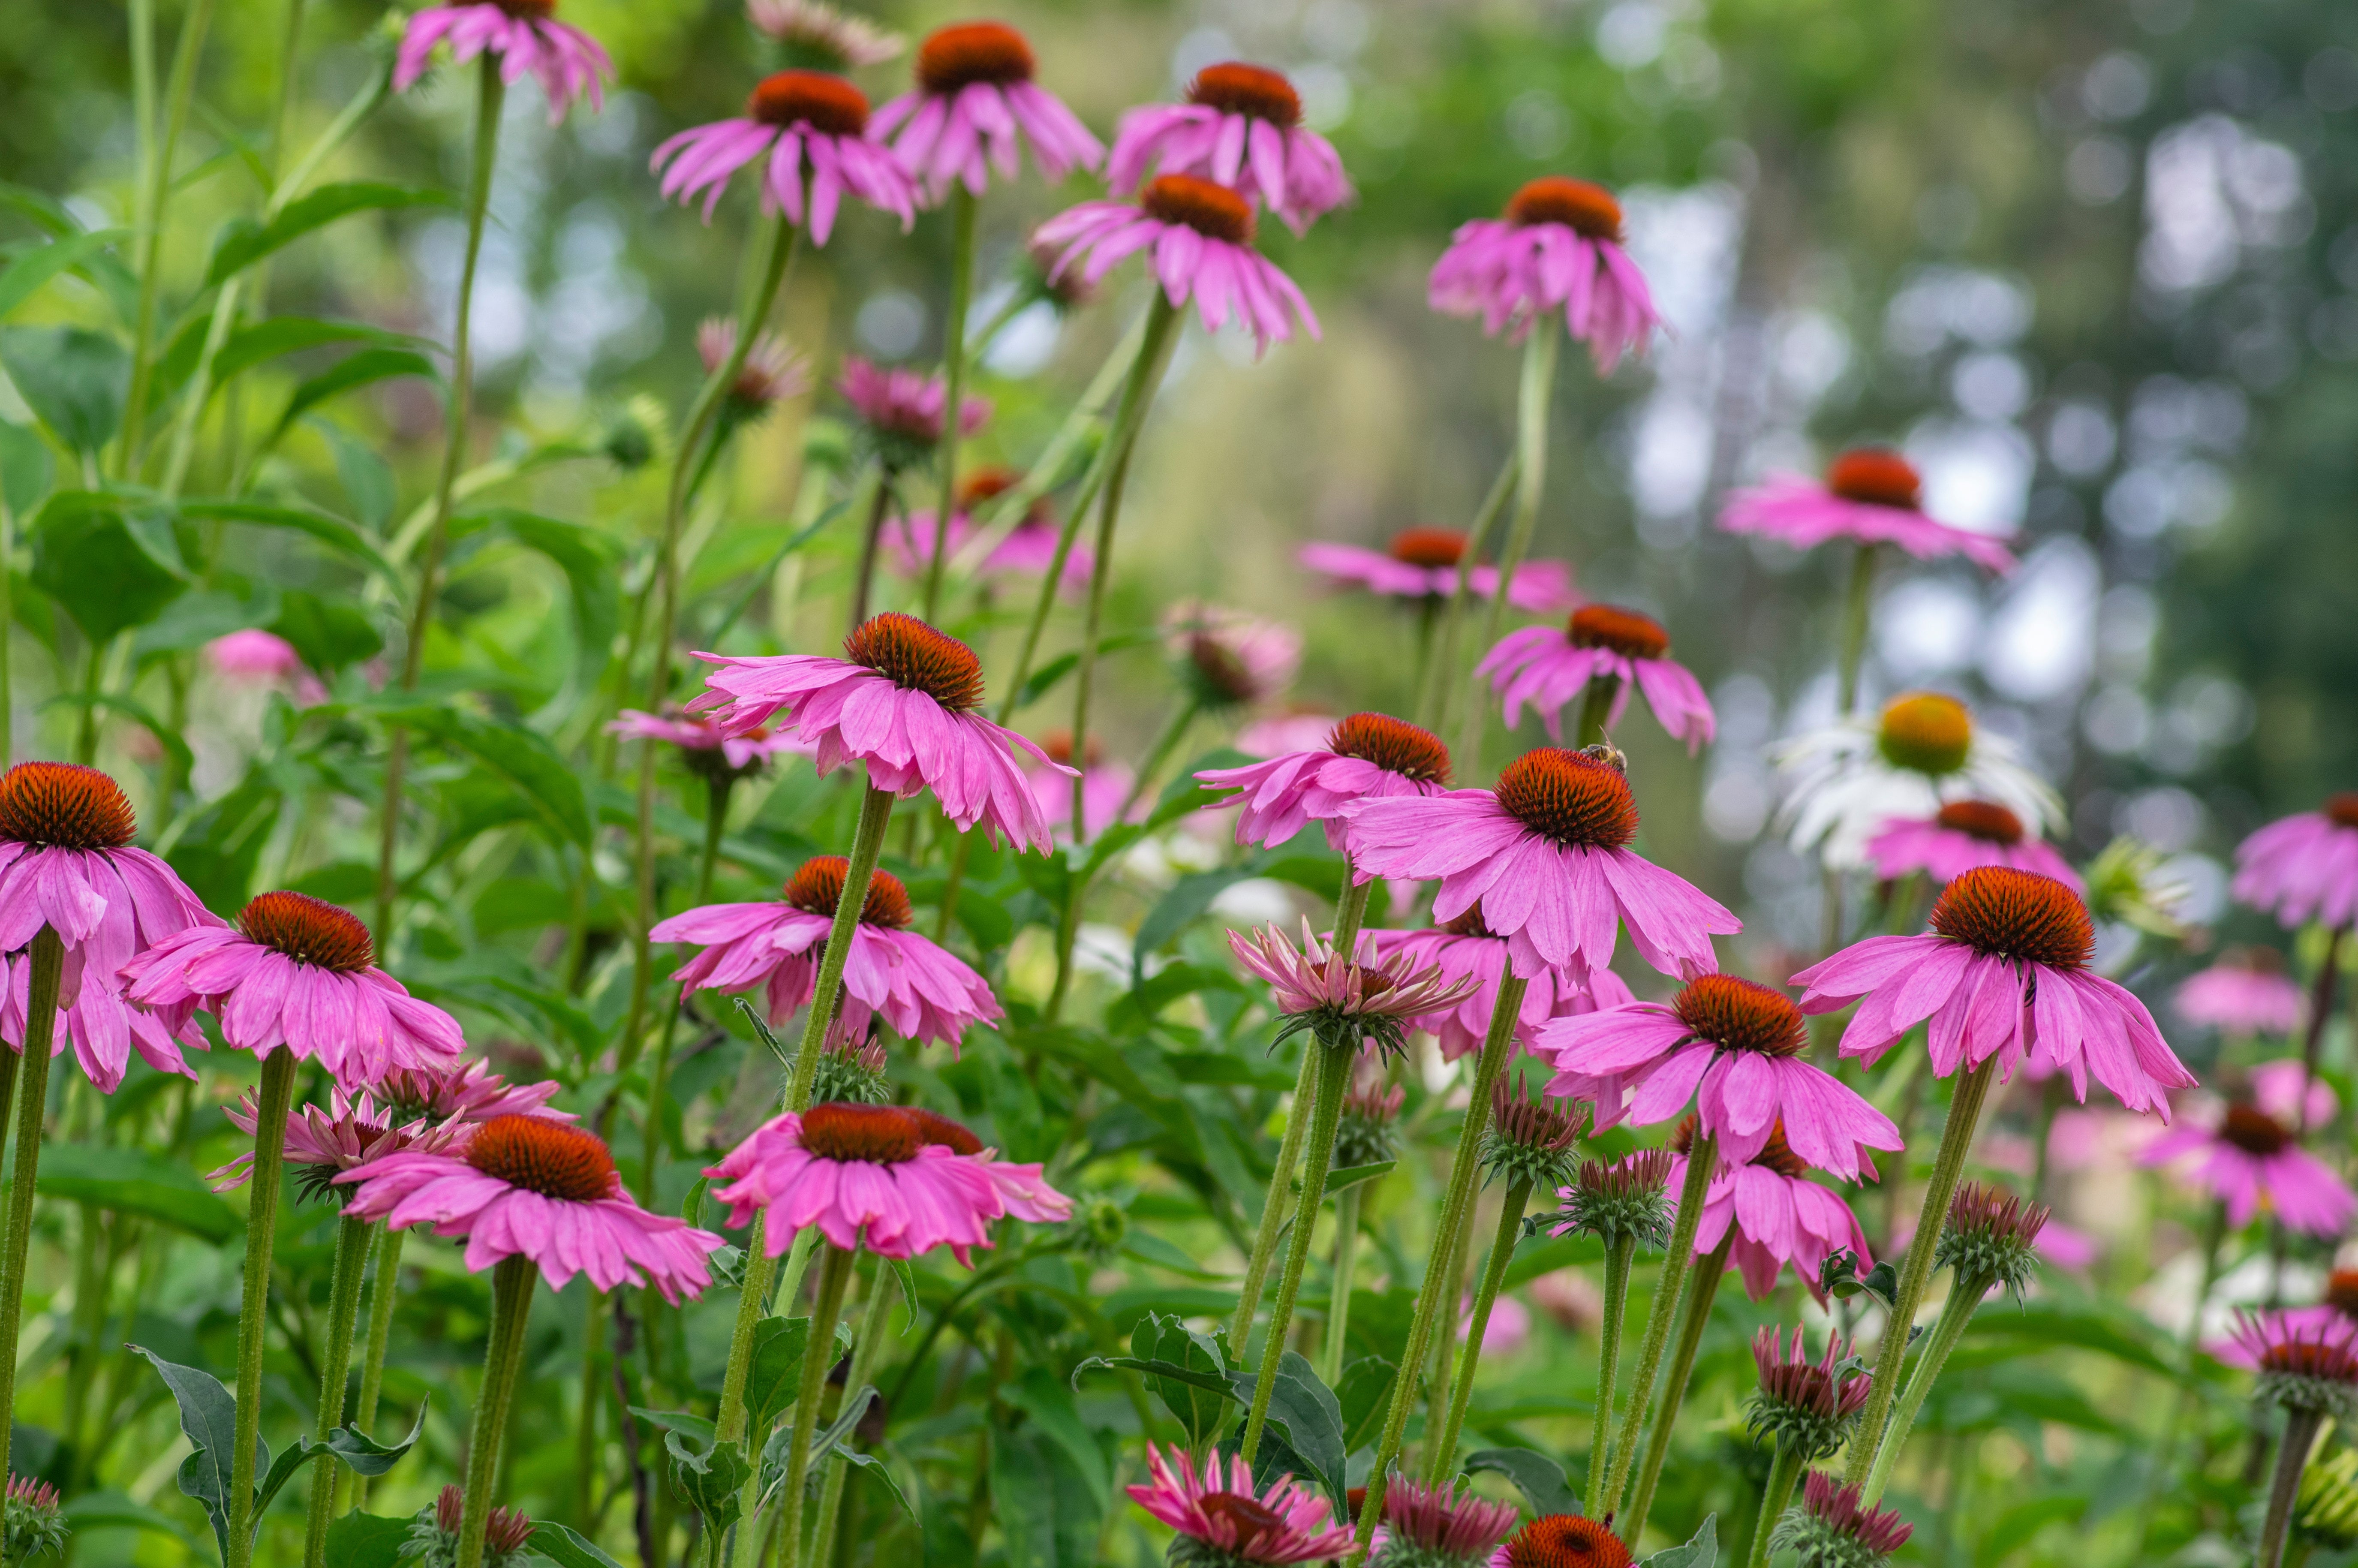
{"points": [[244, 242]]}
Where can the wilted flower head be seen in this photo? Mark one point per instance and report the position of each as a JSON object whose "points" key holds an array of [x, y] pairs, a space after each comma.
{"points": [[1832, 1528], [324, 1141], [1438, 1526], [817, 36], [468, 1091], [2326, 1511], [1529, 1140], [903, 409], [1230, 658], [434, 1535], [2305, 1361], [35, 1523], [1343, 1002], [773, 370], [1804, 1406], [1224, 1521], [1989, 1238], [1366, 1134], [1562, 1541], [1619, 1200]]}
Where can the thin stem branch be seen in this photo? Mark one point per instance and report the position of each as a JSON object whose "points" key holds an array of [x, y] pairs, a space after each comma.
{"points": [[1334, 1073], [32, 1091], [1441, 1452], [1964, 1299], [1331, 1353], [390, 1242], [1857, 610], [252, 1311], [512, 1279], [1703, 1164], [352, 1240], [1531, 483]]}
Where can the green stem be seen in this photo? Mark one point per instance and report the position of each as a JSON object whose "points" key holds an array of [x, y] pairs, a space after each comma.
{"points": [[153, 206], [1433, 698], [867, 844], [379, 1335], [760, 1269], [1702, 1162], [1784, 1471], [32, 1108], [872, 544], [1595, 708], [1531, 483], [584, 1436], [512, 1279], [1964, 1299], [1702, 1288], [716, 817], [352, 1238], [491, 94], [1438, 1380], [1441, 1456], [832, 1276], [92, 680], [2321, 1009], [1149, 771], [881, 1293], [1456, 1202], [2292, 1458], [1339, 1299], [1617, 1253], [963, 208], [253, 1304], [1333, 1074], [7, 628], [1956, 1141], [1855, 615]]}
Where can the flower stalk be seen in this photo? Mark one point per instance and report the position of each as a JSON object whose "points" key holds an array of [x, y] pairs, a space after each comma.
{"points": [[1531, 482], [1618, 1252], [1331, 1077], [1441, 1456], [1703, 1162], [154, 202], [1703, 1289], [1331, 1352], [1595, 708], [1857, 610], [1964, 1296], [380, 1334], [352, 1240], [1784, 1472], [512, 1277], [2284, 1486], [963, 209], [834, 1273], [32, 1091], [254, 1305], [872, 1324], [1434, 695]]}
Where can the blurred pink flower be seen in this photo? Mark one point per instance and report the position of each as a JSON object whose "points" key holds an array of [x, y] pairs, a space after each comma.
{"points": [[800, 118], [1871, 496], [1558, 250], [1508, 1330], [905, 405], [774, 370], [702, 737], [975, 107], [1962, 835], [1103, 786], [2304, 867], [1233, 657], [259, 658], [1200, 240], [1240, 129], [1420, 565], [1550, 668], [2254, 1164], [2246, 992], [526, 36]]}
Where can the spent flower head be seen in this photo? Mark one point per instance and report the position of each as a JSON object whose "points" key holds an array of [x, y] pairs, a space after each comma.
{"points": [[1340, 1001], [1440, 1527], [2305, 1361], [1831, 1526], [434, 1534], [1367, 1134], [1529, 1140], [1619, 1200], [1990, 1239], [35, 1524], [1805, 1407]]}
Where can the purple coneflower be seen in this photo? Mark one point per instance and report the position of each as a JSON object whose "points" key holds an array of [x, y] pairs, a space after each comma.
{"points": [[1562, 1541], [568, 63], [806, 120], [1226, 1519], [1549, 668], [1241, 128], [1831, 1528], [1368, 756], [1439, 1527], [1557, 251], [1870, 496], [703, 745], [2246, 992], [2254, 1164], [1420, 565], [2304, 867], [975, 108], [1343, 1001], [1960, 836]]}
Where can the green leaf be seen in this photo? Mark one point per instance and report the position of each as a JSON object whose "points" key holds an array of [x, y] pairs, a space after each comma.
{"points": [[138, 713], [27, 276], [1540, 1478], [367, 1541], [266, 341], [217, 852], [519, 757], [132, 1181], [1183, 1369], [2043, 1325], [1307, 1412], [73, 379], [208, 1419], [591, 562], [242, 241], [2012, 1529], [1178, 909], [1546, 1257], [1364, 1394], [26, 469], [1044, 680], [362, 369], [331, 531], [1701, 1551], [1352, 1175], [1048, 1401], [114, 1510], [329, 635], [711, 1476], [98, 562], [364, 1455], [773, 1379], [1046, 1512], [563, 1546], [201, 615]]}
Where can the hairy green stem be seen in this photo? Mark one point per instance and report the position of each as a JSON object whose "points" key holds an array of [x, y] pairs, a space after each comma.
{"points": [[1456, 1206], [1965, 1298], [2284, 1488], [254, 1305], [1531, 483], [1856, 612], [882, 1290], [963, 208], [1703, 1164], [1956, 1141], [1618, 1254], [1433, 697], [1331, 1354], [833, 1274], [867, 845], [1332, 1075], [1702, 1288], [729, 1426], [32, 1108], [352, 1238], [512, 1279], [380, 1334], [1441, 1452], [872, 544], [1784, 1472], [585, 1433]]}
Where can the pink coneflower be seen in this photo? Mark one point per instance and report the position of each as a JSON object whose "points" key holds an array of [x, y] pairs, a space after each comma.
{"points": [[265, 658], [1368, 756], [1465, 949], [1021, 1188], [2304, 867], [2283, 1089], [1226, 1520], [466, 1091], [1562, 1541], [1546, 855], [526, 36], [903, 409], [300, 973], [1960, 836], [526, 1187], [901, 701], [1302, 727], [1230, 659], [975, 106], [1735, 1046], [2003, 973], [1871, 496], [1806, 1407], [818, 36], [2246, 992], [1549, 668], [1836, 1528], [1103, 786], [1779, 1215], [798, 117], [1420, 565], [1201, 238], [774, 370], [1339, 999], [1028, 549], [2306, 1359], [1241, 128], [67, 862], [866, 1175], [922, 991], [324, 1141], [1438, 1526], [1558, 249], [704, 746], [2255, 1164]]}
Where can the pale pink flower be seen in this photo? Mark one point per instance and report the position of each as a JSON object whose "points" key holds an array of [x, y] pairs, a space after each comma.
{"points": [[323, 1142], [1736, 1048], [867, 1175], [903, 409], [1871, 496], [903, 700], [1028, 549], [819, 34], [1231, 658], [1960, 836], [2283, 1089], [1022, 1187], [466, 1091], [802, 119], [2003, 973], [1508, 1330], [774, 370], [1779, 1215], [526, 1187], [922, 991], [1465, 949], [2246, 992], [1420, 565], [2255, 1164], [1240, 129], [1557, 251], [67, 861], [2304, 867], [297, 973], [1103, 786], [1221, 1509], [702, 741], [1304, 729], [1546, 855], [1550, 668], [265, 658], [1200, 237], [1368, 756], [975, 107], [526, 36], [1368, 1000]]}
